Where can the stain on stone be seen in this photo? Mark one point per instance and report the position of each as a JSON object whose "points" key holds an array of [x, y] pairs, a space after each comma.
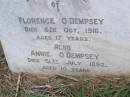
{"points": [[86, 1], [27, 0]]}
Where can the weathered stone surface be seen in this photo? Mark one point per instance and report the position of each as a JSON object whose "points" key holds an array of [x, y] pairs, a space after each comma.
{"points": [[73, 37]]}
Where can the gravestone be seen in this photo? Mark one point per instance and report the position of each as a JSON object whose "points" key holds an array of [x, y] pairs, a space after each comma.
{"points": [[72, 37]]}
